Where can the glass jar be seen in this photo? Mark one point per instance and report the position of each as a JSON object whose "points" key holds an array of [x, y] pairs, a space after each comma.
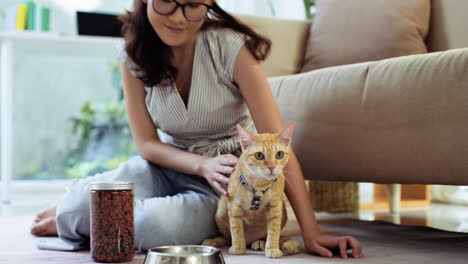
{"points": [[111, 216]]}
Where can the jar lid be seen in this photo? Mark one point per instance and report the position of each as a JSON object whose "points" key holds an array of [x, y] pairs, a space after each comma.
{"points": [[106, 186]]}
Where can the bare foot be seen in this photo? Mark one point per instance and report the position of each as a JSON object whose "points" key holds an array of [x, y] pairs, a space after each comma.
{"points": [[45, 213], [46, 227]]}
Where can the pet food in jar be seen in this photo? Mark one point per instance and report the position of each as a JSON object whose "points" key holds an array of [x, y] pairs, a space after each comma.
{"points": [[112, 230]]}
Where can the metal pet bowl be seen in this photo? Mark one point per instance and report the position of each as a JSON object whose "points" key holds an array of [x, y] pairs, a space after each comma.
{"points": [[187, 254]]}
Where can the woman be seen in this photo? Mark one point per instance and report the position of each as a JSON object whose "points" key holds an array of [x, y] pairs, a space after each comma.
{"points": [[192, 71]]}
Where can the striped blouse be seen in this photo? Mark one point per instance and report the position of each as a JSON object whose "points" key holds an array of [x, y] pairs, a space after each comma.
{"points": [[215, 104]]}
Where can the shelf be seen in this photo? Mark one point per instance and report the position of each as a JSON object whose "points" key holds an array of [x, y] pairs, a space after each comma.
{"points": [[56, 37], [412, 195]]}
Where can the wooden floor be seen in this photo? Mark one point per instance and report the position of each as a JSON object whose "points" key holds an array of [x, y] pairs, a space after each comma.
{"points": [[441, 216]]}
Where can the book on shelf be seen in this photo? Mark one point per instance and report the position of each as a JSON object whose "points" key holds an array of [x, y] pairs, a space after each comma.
{"points": [[21, 17], [29, 16], [10, 18], [31, 20]]}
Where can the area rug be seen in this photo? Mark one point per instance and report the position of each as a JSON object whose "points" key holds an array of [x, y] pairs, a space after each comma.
{"points": [[382, 242]]}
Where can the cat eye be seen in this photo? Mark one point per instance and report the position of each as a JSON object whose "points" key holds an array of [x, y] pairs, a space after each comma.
{"points": [[259, 156], [279, 154]]}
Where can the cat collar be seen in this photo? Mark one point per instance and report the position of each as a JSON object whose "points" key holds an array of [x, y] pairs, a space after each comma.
{"points": [[255, 204]]}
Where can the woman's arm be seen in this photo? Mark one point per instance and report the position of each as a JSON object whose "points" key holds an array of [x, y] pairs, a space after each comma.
{"points": [[152, 149], [254, 86]]}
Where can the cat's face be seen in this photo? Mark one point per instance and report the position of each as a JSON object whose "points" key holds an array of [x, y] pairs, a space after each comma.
{"points": [[265, 155]]}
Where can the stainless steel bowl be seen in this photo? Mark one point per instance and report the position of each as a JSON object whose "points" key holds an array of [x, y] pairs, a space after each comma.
{"points": [[187, 254]]}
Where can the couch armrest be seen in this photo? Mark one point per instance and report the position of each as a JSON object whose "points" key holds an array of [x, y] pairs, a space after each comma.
{"points": [[400, 120]]}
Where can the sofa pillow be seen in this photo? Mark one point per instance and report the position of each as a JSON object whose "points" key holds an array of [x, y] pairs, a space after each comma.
{"points": [[352, 31], [287, 35]]}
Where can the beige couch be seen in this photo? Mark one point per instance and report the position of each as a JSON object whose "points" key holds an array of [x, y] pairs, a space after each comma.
{"points": [[399, 120]]}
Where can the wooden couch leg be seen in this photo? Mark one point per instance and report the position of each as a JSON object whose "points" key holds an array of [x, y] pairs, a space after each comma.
{"points": [[394, 197]]}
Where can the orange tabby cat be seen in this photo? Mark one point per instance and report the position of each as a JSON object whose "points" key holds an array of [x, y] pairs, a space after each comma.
{"points": [[254, 209]]}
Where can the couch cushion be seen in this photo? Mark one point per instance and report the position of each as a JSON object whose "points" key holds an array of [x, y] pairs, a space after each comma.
{"points": [[353, 31], [400, 120], [289, 39]]}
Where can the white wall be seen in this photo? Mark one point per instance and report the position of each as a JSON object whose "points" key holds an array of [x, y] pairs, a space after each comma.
{"points": [[63, 19]]}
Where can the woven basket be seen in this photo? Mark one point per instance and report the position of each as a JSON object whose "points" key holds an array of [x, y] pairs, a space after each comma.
{"points": [[334, 196]]}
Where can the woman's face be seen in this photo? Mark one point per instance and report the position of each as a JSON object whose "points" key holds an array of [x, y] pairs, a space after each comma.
{"points": [[174, 29]]}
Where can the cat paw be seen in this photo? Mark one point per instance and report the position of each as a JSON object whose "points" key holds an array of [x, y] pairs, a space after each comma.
{"points": [[258, 245], [273, 253], [290, 247], [215, 242], [236, 250], [209, 242]]}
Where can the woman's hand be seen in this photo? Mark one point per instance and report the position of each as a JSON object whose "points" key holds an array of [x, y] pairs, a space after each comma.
{"points": [[322, 244], [214, 171]]}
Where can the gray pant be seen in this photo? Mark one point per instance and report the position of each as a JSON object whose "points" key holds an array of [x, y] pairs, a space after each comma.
{"points": [[170, 207]]}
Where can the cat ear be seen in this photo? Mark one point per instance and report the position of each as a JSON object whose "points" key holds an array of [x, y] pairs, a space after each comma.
{"points": [[246, 139], [286, 133]]}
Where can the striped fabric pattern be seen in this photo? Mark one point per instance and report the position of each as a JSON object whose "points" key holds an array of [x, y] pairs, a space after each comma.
{"points": [[215, 104]]}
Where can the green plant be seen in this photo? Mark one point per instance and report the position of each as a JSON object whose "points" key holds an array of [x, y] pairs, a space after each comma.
{"points": [[102, 137], [308, 4], [82, 124], [101, 140]]}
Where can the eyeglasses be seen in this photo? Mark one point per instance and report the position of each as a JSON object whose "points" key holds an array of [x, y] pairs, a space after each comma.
{"points": [[193, 11]]}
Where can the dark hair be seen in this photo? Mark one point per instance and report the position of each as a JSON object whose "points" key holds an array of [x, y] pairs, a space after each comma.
{"points": [[151, 55]]}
